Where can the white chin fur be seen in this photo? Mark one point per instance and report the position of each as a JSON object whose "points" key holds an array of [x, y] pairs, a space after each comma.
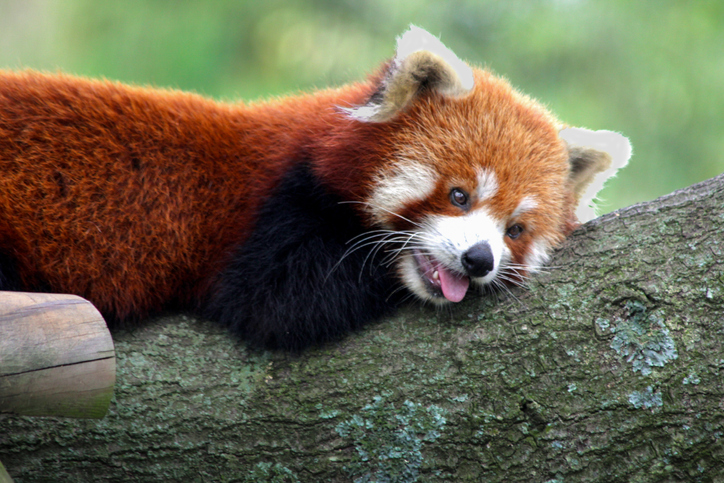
{"points": [[410, 276], [445, 239]]}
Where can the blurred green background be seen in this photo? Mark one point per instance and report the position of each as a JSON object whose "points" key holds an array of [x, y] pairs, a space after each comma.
{"points": [[652, 69]]}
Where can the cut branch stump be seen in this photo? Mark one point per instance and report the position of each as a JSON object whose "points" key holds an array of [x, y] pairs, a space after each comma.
{"points": [[56, 356]]}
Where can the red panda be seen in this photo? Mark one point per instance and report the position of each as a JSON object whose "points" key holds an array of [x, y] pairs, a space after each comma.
{"points": [[295, 220]]}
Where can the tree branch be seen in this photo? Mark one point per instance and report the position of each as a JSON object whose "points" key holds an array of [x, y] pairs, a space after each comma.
{"points": [[608, 368]]}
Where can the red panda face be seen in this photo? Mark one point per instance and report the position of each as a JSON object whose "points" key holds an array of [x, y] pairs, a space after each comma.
{"points": [[479, 185], [475, 192]]}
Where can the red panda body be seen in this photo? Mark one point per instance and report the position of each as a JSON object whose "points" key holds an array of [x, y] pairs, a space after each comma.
{"points": [[130, 196], [291, 221]]}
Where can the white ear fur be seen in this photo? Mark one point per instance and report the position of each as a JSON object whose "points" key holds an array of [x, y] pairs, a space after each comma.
{"points": [[595, 156], [421, 61], [417, 39]]}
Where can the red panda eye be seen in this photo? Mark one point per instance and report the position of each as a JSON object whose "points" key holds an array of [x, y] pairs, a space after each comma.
{"points": [[514, 231], [459, 198]]}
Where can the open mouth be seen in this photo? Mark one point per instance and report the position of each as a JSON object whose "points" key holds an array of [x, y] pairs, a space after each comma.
{"points": [[439, 280]]}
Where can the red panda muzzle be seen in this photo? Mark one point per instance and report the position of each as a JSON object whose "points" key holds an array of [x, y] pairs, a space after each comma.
{"points": [[478, 260], [440, 279]]}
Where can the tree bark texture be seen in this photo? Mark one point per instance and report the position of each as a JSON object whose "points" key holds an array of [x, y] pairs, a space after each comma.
{"points": [[608, 368]]}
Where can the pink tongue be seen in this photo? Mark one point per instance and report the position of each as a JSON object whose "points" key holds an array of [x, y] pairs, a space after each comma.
{"points": [[453, 286]]}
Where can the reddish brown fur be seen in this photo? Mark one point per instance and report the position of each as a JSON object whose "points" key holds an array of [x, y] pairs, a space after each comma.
{"points": [[131, 197], [134, 197]]}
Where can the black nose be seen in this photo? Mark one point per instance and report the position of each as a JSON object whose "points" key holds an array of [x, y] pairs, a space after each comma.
{"points": [[478, 260]]}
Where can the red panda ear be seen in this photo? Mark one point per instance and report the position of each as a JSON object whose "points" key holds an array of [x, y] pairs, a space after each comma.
{"points": [[421, 62], [595, 156]]}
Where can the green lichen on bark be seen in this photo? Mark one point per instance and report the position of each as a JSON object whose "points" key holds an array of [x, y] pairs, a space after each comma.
{"points": [[271, 473], [647, 399], [540, 387], [643, 339], [388, 440]]}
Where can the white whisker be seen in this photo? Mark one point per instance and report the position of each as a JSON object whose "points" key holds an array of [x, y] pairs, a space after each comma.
{"points": [[383, 209]]}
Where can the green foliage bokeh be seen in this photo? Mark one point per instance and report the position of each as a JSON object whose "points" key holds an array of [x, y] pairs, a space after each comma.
{"points": [[652, 69]]}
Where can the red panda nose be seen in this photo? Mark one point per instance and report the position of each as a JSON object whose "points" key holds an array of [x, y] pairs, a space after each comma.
{"points": [[478, 260]]}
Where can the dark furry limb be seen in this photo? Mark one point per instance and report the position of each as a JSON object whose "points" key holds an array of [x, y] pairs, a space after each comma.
{"points": [[294, 282]]}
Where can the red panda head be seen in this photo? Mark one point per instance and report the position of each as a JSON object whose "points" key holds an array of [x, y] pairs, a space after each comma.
{"points": [[477, 182]]}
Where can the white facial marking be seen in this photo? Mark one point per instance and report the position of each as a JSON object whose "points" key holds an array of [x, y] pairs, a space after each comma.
{"points": [[528, 203], [451, 236], [487, 184], [411, 278], [538, 255], [406, 183]]}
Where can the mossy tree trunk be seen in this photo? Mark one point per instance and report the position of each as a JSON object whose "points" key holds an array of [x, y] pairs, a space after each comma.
{"points": [[608, 368]]}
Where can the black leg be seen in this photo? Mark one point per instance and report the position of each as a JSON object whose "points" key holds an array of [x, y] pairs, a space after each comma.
{"points": [[294, 282]]}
